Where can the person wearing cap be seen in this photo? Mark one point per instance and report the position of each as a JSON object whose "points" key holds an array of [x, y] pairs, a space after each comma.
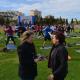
{"points": [[58, 58], [27, 57]]}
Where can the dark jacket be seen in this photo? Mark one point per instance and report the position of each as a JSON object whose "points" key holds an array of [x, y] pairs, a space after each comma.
{"points": [[58, 61], [27, 66]]}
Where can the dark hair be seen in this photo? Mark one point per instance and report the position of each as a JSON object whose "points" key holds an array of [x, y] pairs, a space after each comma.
{"points": [[60, 36]]}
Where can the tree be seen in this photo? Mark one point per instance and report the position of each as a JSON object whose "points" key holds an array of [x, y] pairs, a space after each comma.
{"points": [[38, 20], [76, 21], [66, 22], [7, 21], [72, 21], [2, 20], [49, 20]]}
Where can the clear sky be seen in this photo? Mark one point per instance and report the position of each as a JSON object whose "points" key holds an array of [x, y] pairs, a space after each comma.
{"points": [[65, 8]]}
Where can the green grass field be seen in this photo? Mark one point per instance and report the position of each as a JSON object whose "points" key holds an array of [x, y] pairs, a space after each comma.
{"points": [[9, 62]]}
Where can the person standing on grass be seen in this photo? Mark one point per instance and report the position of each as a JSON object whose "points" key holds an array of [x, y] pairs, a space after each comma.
{"points": [[46, 31], [58, 58], [27, 57], [9, 32]]}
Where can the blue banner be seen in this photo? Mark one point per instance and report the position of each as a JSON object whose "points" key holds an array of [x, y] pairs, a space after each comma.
{"points": [[33, 18], [19, 20]]}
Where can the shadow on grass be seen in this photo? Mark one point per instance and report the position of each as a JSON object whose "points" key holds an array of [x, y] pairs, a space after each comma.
{"points": [[75, 59]]}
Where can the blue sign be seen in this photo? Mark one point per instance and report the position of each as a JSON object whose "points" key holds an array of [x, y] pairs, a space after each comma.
{"points": [[33, 19], [19, 20]]}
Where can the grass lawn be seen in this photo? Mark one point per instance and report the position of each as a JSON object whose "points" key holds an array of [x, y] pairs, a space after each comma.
{"points": [[9, 62]]}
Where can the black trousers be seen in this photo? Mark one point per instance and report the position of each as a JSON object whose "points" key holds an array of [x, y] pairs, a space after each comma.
{"points": [[58, 78], [27, 78], [8, 38]]}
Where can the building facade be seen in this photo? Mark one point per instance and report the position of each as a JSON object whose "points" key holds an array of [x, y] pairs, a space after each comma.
{"points": [[12, 15], [35, 13]]}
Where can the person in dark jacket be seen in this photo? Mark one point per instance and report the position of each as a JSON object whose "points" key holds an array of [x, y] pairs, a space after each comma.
{"points": [[27, 57], [58, 57]]}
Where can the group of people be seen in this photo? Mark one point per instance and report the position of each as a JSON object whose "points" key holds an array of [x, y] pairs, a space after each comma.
{"points": [[58, 57], [37, 29], [10, 30]]}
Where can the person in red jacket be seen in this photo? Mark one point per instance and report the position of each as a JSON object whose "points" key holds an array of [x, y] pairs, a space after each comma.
{"points": [[9, 32]]}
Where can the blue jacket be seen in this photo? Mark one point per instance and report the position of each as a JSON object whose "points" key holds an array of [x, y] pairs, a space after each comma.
{"points": [[46, 30]]}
